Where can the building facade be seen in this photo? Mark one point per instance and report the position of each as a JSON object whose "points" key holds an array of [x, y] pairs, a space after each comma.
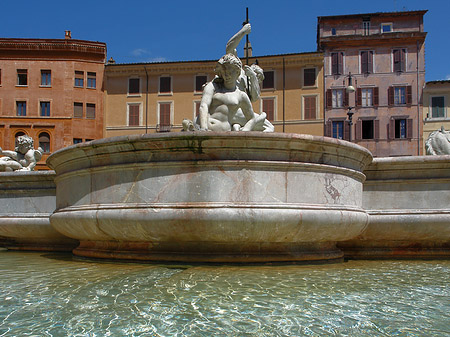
{"points": [[436, 107], [382, 54], [156, 97], [52, 91]]}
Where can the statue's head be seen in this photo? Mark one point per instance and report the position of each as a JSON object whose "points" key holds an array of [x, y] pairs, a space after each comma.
{"points": [[228, 62], [24, 143], [258, 71]]}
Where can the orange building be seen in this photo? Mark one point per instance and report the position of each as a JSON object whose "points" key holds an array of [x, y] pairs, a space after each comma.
{"points": [[52, 91], [156, 97]]}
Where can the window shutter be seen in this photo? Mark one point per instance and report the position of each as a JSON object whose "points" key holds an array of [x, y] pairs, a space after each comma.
{"points": [[358, 97], [347, 127], [396, 55], [370, 62], [375, 96], [334, 63], [376, 129], [402, 60], [341, 63], [268, 108], [364, 62], [328, 128], [309, 107], [358, 130], [409, 128], [408, 95], [164, 114], [133, 115], [391, 128], [329, 99], [391, 96]]}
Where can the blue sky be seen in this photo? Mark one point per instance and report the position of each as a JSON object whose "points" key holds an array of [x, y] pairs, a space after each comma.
{"points": [[148, 31]]}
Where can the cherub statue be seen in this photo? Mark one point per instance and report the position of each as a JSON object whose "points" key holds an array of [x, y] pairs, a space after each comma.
{"points": [[23, 158], [438, 142]]}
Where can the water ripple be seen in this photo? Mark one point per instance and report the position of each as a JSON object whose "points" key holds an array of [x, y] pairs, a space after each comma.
{"points": [[42, 296]]}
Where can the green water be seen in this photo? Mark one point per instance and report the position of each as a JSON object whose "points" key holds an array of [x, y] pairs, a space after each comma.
{"points": [[55, 295]]}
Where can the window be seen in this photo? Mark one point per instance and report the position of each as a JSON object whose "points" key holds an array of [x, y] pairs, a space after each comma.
{"points": [[0, 77], [338, 129], [46, 78], [77, 110], [200, 80], [44, 141], [77, 140], [400, 128], [366, 61], [268, 106], [437, 107], [45, 109], [79, 79], [22, 77], [164, 117], [134, 86], [90, 110], [333, 31], [91, 80], [366, 97], [21, 108], [367, 128], [309, 107], [337, 63], [338, 98], [366, 26], [309, 77], [399, 60], [133, 115], [400, 95], [386, 27], [269, 80], [165, 85]]}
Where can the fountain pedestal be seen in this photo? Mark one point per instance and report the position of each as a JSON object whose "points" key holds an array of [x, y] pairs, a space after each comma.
{"points": [[211, 197]]}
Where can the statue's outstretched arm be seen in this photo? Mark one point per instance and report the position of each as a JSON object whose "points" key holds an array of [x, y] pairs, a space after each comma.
{"points": [[10, 154], [236, 39]]}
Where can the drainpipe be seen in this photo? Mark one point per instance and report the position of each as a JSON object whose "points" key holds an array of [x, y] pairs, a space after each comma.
{"points": [[146, 101], [284, 89], [418, 105]]}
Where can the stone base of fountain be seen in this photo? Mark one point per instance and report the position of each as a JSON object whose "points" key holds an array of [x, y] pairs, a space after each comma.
{"points": [[211, 197]]}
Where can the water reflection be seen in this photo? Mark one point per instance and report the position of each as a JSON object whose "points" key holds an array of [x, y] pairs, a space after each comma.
{"points": [[55, 295]]}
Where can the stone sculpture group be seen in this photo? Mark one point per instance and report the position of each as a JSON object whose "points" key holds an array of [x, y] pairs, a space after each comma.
{"points": [[438, 142], [23, 158], [226, 101]]}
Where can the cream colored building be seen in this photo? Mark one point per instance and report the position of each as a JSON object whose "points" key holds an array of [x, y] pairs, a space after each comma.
{"points": [[156, 97], [436, 106]]}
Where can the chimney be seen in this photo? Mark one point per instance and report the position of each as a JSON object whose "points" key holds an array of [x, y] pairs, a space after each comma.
{"points": [[68, 35], [250, 49]]}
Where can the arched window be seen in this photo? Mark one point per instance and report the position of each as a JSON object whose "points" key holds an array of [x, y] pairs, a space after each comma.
{"points": [[44, 141], [18, 134]]}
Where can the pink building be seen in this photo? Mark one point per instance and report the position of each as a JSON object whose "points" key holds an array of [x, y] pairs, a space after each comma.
{"points": [[382, 55]]}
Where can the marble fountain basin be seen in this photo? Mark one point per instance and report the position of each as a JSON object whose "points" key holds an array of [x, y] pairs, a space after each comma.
{"points": [[211, 197]]}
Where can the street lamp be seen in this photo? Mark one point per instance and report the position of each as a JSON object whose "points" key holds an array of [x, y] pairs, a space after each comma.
{"points": [[350, 89]]}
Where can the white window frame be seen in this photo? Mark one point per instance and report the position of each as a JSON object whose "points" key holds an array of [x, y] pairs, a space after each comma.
{"points": [[383, 24], [430, 113], [171, 111], [140, 86], [303, 106], [171, 86], [194, 117], [275, 104], [140, 114], [303, 77]]}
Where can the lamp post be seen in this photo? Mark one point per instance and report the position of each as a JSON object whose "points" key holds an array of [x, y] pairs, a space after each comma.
{"points": [[350, 89]]}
